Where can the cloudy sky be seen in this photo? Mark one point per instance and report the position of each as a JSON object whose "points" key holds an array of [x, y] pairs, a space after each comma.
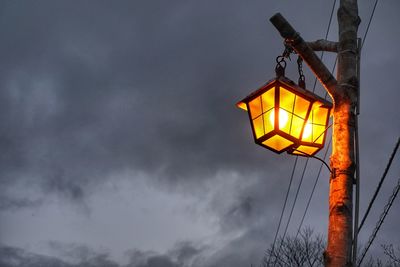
{"points": [[122, 146]]}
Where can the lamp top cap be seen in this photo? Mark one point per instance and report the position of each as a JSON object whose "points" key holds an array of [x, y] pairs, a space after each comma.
{"points": [[286, 82]]}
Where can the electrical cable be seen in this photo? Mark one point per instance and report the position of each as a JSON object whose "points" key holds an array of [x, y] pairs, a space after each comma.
{"points": [[294, 204], [369, 23], [313, 189], [330, 140], [380, 221], [319, 171], [315, 82], [284, 207], [320, 167], [326, 37], [356, 229], [380, 183], [293, 170], [326, 94], [362, 44]]}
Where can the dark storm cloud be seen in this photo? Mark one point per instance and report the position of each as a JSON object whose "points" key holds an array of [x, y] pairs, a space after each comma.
{"points": [[182, 254], [94, 88], [17, 257], [158, 261], [145, 87], [8, 203], [140, 259]]}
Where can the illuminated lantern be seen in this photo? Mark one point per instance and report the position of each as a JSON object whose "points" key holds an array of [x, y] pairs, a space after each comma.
{"points": [[314, 133], [278, 113]]}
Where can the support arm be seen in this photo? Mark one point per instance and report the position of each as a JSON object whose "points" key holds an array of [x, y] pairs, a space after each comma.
{"points": [[293, 39], [323, 45]]}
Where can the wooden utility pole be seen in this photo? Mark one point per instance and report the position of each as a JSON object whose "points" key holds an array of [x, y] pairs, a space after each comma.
{"points": [[344, 92]]}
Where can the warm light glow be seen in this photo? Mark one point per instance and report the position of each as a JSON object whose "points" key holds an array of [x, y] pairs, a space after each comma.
{"points": [[278, 143], [315, 125], [283, 118], [302, 117], [307, 131], [314, 132], [242, 105], [305, 150]]}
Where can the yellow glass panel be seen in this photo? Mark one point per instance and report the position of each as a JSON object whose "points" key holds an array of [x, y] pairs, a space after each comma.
{"points": [[268, 99], [307, 132], [242, 105], [297, 126], [269, 121], [320, 115], [286, 99], [301, 150], [317, 131], [255, 107], [271, 117], [278, 143], [319, 139], [285, 119], [301, 107], [258, 127]]}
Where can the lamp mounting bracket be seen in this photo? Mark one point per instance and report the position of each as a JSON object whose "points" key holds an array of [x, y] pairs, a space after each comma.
{"points": [[294, 39]]}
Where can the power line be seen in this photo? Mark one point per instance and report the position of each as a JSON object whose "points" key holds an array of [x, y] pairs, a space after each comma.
{"points": [[294, 204], [380, 183], [320, 167], [330, 140], [380, 221], [365, 34], [313, 189], [284, 207], [319, 171], [356, 230], [293, 170], [359, 51], [305, 166], [326, 37], [314, 86], [369, 23], [294, 167], [326, 94]]}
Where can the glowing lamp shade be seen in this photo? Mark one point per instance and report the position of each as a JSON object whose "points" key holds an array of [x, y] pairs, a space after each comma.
{"points": [[314, 134], [278, 113]]}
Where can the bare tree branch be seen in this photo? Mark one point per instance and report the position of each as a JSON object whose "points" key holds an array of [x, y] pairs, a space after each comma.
{"points": [[306, 250], [303, 251], [389, 251]]}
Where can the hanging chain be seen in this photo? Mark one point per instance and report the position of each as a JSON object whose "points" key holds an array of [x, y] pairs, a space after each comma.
{"points": [[280, 66], [281, 62], [302, 78]]}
